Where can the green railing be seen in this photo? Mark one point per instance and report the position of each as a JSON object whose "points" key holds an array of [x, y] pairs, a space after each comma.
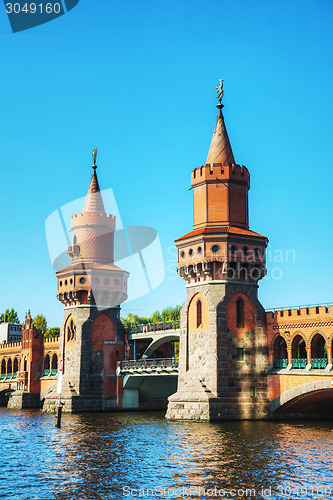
{"points": [[280, 363], [9, 375], [54, 371], [3, 375], [298, 363], [15, 375], [46, 372], [319, 363]]}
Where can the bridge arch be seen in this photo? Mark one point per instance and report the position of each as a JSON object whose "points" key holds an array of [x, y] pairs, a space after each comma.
{"points": [[155, 344], [307, 395], [279, 350], [298, 346]]}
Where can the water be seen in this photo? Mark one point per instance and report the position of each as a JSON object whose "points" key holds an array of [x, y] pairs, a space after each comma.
{"points": [[101, 456]]}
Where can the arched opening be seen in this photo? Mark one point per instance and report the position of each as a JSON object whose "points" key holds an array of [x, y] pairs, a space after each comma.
{"points": [[46, 365], [199, 313], [318, 353], [280, 355], [9, 368], [74, 239], [233, 250], [71, 330], [298, 350], [54, 366], [25, 365], [3, 368], [240, 313], [15, 367]]}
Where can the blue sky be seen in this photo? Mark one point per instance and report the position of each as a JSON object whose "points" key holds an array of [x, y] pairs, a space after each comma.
{"points": [[137, 79]]}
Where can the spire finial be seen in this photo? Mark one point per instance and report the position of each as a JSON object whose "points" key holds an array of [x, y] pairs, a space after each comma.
{"points": [[94, 155], [220, 93]]}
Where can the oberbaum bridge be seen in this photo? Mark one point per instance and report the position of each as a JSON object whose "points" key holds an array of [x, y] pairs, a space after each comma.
{"points": [[236, 360]]}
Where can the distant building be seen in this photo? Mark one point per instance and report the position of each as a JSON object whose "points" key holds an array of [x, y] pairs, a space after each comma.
{"points": [[10, 332]]}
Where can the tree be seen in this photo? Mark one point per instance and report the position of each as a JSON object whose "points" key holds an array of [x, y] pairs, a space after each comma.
{"points": [[40, 323], [12, 316], [52, 332]]}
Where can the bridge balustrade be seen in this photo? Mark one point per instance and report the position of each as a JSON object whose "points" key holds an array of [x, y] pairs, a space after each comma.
{"points": [[148, 363], [298, 363], [318, 363], [154, 327], [280, 363]]}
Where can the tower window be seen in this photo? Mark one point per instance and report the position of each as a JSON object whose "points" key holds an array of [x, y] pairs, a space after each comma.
{"points": [[190, 251], [240, 354], [257, 252], [245, 251], [182, 253], [240, 313], [233, 250], [199, 313], [215, 248], [199, 249]]}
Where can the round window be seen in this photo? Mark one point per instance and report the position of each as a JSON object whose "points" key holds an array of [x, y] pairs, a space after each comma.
{"points": [[71, 281], [182, 253], [199, 249], [66, 282], [106, 281], [96, 281], [215, 248], [190, 251], [116, 282], [82, 280], [60, 283]]}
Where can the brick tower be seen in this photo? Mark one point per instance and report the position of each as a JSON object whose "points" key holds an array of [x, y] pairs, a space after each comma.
{"points": [[223, 354], [91, 289]]}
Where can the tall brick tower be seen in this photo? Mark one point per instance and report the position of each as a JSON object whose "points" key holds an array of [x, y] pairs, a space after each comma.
{"points": [[91, 289], [223, 354]]}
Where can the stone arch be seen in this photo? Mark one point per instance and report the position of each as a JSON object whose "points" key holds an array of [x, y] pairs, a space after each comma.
{"points": [[317, 332], [158, 342], [299, 392]]}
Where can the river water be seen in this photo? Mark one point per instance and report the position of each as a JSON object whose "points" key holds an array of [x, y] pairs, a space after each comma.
{"points": [[141, 455]]}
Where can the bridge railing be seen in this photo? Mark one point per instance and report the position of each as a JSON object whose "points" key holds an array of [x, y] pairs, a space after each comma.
{"points": [[154, 327], [135, 364]]}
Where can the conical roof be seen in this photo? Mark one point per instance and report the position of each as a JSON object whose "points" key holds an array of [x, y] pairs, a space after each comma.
{"points": [[220, 149], [94, 201]]}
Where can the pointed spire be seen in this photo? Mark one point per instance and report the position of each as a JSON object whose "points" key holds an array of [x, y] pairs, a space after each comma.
{"points": [[94, 201], [220, 149]]}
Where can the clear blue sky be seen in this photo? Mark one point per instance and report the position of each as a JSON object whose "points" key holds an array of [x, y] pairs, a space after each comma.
{"points": [[137, 79]]}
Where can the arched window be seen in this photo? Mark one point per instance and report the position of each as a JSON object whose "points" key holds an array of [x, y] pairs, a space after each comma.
{"points": [[54, 368], [9, 368], [25, 365], [233, 250], [3, 368], [240, 313], [71, 330], [15, 367], [199, 313], [46, 365], [280, 354], [74, 239], [298, 350]]}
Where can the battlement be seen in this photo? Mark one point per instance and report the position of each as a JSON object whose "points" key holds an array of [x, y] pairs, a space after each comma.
{"points": [[10, 346], [220, 171], [93, 218], [311, 312], [51, 340]]}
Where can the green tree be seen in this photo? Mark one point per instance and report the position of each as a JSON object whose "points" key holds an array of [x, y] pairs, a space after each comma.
{"points": [[52, 332], [155, 317], [40, 323], [12, 316]]}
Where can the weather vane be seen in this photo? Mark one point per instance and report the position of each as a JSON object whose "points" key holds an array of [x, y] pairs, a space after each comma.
{"points": [[94, 155], [219, 91]]}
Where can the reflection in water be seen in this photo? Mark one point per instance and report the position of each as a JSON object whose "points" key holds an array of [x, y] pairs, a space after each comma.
{"points": [[94, 456]]}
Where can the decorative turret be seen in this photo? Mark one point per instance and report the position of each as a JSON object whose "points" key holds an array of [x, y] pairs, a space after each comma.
{"points": [[221, 245], [92, 278]]}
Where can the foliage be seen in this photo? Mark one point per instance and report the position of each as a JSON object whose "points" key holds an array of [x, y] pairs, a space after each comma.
{"points": [[168, 314], [52, 332], [12, 316], [40, 323]]}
